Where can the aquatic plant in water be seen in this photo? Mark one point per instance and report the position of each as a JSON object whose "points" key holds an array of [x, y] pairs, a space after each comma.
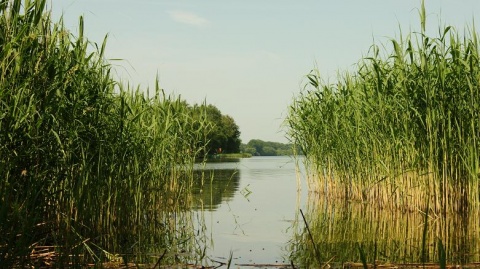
{"points": [[402, 131], [393, 149], [87, 166]]}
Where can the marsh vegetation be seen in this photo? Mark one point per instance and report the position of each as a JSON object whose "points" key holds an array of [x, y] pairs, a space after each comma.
{"points": [[393, 152], [94, 171], [341, 232], [402, 132], [89, 166]]}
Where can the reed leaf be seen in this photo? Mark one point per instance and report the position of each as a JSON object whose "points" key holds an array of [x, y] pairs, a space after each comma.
{"points": [[85, 161], [405, 121]]}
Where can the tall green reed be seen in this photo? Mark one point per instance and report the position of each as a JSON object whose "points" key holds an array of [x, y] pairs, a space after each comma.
{"points": [[84, 159], [402, 131]]}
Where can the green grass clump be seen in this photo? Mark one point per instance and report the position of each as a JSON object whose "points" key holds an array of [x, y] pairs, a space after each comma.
{"points": [[403, 130], [84, 161]]}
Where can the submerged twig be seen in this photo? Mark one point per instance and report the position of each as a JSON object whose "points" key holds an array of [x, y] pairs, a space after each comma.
{"points": [[160, 259], [317, 254]]}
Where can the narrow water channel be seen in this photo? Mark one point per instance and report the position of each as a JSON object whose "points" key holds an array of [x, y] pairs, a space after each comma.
{"points": [[249, 207]]}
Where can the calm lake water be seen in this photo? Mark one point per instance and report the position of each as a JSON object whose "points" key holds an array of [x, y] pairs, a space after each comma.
{"points": [[250, 209], [249, 206]]}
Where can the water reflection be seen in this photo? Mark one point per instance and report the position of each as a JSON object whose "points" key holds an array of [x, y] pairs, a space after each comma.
{"points": [[266, 227], [339, 231], [215, 182], [248, 206]]}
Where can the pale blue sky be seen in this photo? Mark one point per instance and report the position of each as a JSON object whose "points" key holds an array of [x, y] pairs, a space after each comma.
{"points": [[248, 58]]}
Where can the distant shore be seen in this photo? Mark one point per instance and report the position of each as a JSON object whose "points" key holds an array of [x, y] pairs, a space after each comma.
{"points": [[230, 155]]}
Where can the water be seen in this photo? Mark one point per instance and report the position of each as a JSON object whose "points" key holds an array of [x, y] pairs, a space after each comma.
{"points": [[249, 206]]}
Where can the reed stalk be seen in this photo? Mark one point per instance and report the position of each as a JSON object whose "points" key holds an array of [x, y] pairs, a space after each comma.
{"points": [[387, 237], [401, 131], [87, 164]]}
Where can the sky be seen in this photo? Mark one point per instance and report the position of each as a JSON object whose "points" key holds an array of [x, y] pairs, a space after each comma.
{"points": [[248, 58]]}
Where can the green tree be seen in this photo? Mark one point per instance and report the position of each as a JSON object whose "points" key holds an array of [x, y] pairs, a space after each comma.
{"points": [[231, 133], [225, 133], [246, 149], [266, 148], [269, 151], [257, 145]]}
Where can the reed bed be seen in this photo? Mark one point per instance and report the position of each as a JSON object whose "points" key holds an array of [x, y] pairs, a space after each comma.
{"points": [[338, 230], [402, 131], [87, 165]]}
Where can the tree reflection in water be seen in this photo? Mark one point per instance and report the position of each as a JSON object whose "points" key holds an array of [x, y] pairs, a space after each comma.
{"points": [[214, 186]]}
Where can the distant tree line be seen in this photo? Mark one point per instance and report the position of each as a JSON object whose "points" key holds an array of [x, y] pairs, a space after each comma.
{"points": [[258, 147]]}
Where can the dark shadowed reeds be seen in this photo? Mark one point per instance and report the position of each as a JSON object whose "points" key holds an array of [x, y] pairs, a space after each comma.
{"points": [[86, 166], [402, 132]]}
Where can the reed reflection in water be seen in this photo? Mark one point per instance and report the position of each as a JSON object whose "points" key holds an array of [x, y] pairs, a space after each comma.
{"points": [[340, 230]]}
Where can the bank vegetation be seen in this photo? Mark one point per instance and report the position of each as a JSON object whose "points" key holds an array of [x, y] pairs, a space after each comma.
{"points": [[88, 166], [403, 130]]}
